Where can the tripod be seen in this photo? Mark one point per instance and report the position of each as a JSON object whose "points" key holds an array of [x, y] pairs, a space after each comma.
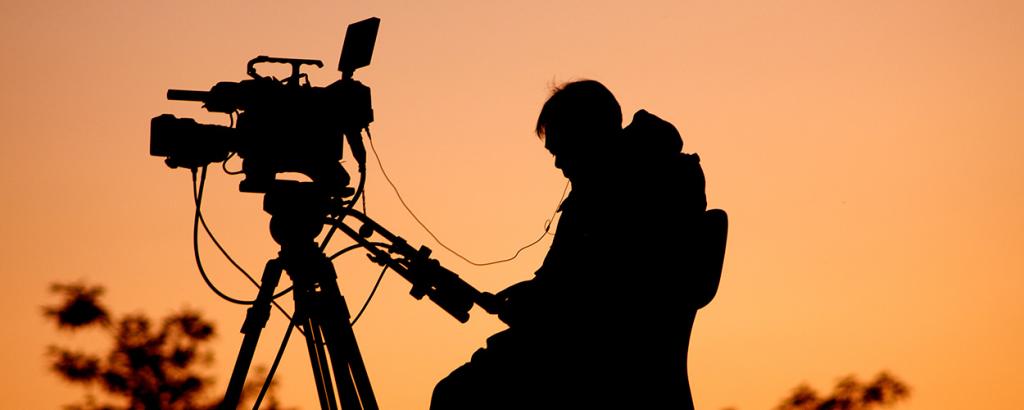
{"points": [[298, 211]]}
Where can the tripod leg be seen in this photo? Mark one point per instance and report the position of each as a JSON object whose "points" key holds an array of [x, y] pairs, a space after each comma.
{"points": [[317, 355], [362, 379], [344, 350], [255, 319], [340, 360], [329, 337], [277, 361]]}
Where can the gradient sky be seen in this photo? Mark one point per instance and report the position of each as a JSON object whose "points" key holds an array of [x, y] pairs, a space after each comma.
{"points": [[868, 153]]}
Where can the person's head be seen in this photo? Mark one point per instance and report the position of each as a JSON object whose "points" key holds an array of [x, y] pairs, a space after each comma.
{"points": [[578, 124]]}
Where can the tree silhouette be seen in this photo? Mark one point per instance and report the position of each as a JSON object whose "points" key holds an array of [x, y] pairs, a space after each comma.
{"points": [[849, 394], [150, 365]]}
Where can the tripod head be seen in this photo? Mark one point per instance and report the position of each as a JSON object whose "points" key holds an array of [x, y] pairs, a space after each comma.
{"points": [[297, 211]]}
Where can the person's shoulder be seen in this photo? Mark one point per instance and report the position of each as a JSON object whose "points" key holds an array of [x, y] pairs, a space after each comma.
{"points": [[649, 135], [689, 159]]}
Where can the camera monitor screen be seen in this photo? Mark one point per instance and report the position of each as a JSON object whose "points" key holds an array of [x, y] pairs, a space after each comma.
{"points": [[358, 48]]}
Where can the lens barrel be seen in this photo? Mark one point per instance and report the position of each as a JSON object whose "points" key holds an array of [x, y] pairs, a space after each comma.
{"points": [[187, 95]]}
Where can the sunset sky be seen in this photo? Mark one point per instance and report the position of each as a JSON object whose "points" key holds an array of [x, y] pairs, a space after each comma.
{"points": [[869, 154]]}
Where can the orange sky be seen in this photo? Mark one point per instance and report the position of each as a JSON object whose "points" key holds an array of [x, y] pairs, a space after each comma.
{"points": [[868, 154]]}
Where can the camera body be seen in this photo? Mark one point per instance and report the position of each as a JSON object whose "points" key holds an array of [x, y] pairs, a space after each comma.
{"points": [[283, 125]]}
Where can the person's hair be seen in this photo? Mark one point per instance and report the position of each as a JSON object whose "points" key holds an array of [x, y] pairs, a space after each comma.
{"points": [[585, 105]]}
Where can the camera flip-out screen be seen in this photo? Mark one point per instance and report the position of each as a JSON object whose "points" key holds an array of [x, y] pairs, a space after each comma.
{"points": [[358, 48]]}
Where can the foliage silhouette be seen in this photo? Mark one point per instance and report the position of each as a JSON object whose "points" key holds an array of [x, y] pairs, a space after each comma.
{"points": [[150, 365], [849, 394]]}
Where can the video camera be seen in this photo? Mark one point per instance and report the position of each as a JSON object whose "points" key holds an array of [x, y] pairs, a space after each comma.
{"points": [[283, 125], [291, 126]]}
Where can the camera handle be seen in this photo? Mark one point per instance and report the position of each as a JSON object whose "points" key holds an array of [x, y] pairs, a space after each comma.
{"points": [[427, 276], [296, 64]]}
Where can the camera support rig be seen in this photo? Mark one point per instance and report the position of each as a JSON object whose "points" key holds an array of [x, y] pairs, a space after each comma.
{"points": [[291, 126], [299, 210]]}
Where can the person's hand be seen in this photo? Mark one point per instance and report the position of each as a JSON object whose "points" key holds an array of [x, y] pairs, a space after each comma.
{"points": [[512, 303]]}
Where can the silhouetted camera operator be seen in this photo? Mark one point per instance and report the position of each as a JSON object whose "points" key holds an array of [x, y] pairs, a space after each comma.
{"points": [[606, 321]]}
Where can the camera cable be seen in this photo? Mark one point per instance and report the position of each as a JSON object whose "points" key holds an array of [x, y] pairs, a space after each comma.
{"points": [[224, 164], [355, 198], [268, 380], [356, 246], [370, 297], [375, 285], [198, 192], [547, 223], [227, 256]]}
